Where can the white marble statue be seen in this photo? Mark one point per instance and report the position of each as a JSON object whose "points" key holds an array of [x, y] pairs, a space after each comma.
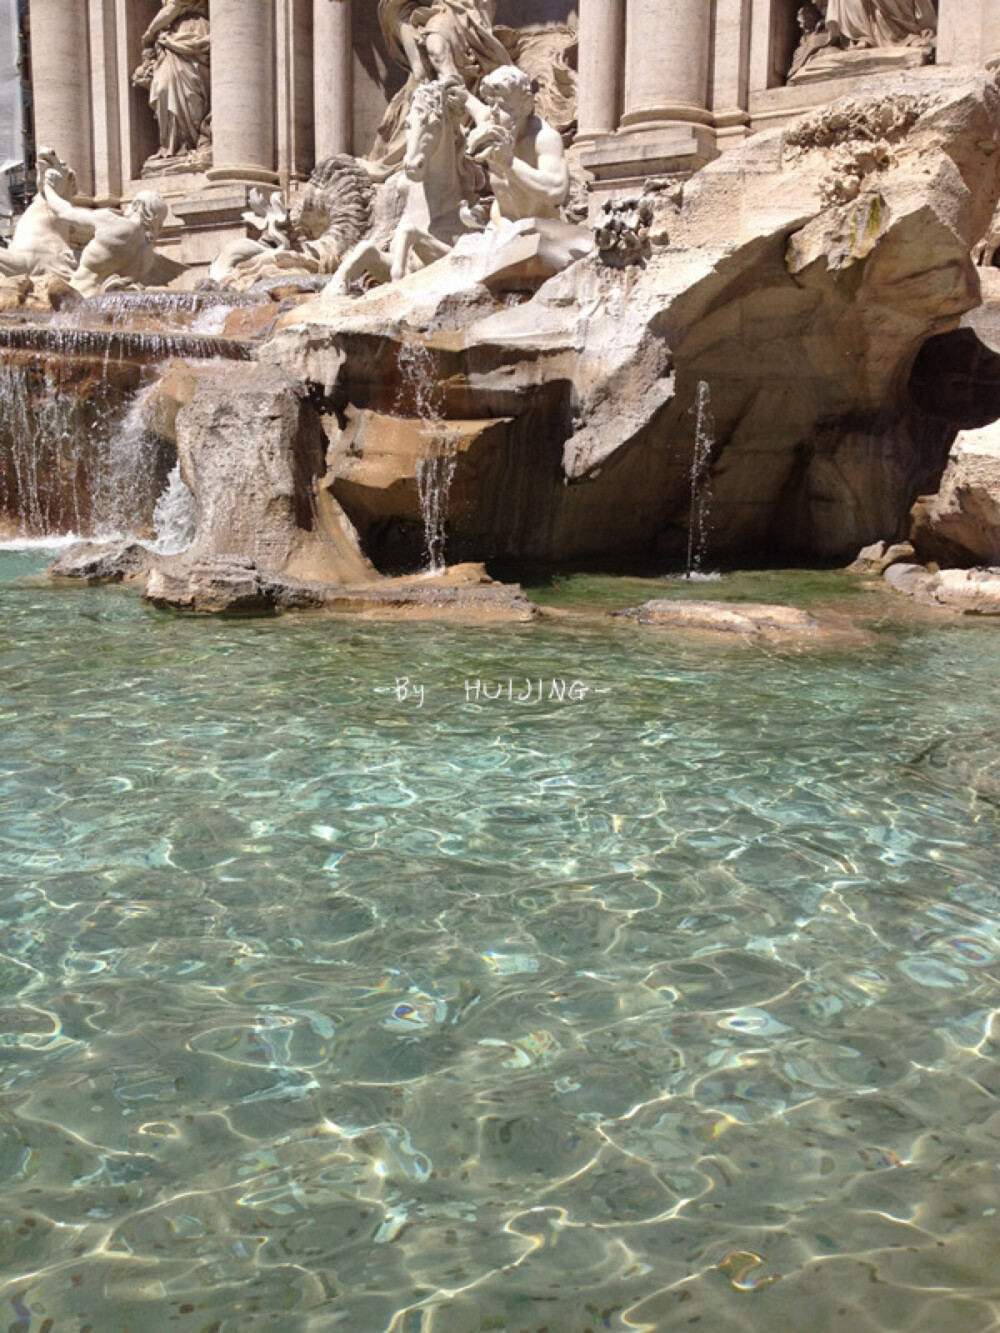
{"points": [[436, 183], [43, 242], [431, 39], [176, 70], [118, 252], [844, 37], [442, 38], [243, 261], [878, 23], [525, 156]]}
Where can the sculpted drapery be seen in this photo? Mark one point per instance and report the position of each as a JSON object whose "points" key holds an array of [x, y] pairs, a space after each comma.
{"points": [[879, 23], [176, 70], [458, 33], [439, 37]]}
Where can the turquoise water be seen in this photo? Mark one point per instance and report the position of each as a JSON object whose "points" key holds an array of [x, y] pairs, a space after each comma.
{"points": [[668, 1007]]}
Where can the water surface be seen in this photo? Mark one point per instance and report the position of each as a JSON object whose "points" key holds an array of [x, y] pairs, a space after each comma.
{"points": [[670, 1005]]}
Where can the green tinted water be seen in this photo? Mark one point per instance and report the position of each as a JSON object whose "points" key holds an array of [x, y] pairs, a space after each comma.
{"points": [[671, 1006]]}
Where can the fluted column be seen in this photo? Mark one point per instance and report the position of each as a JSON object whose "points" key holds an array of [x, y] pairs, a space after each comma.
{"points": [[667, 56], [991, 33], [602, 43], [60, 62], [333, 76], [243, 79]]}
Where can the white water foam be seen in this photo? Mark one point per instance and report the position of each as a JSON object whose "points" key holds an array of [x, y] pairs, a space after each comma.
{"points": [[53, 543]]}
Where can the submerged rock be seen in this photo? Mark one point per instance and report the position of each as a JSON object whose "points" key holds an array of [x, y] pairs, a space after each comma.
{"points": [[971, 761], [727, 617]]}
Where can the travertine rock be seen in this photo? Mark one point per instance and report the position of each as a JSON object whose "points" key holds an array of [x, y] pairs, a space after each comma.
{"points": [[973, 591], [252, 452], [235, 585], [728, 617], [877, 558], [99, 562], [960, 525], [801, 307]]}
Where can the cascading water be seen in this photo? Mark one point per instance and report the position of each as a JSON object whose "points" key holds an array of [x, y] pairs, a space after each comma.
{"points": [[701, 483], [421, 395], [435, 473], [75, 456], [174, 516], [129, 473]]}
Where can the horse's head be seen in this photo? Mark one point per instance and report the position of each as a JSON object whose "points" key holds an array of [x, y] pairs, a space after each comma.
{"points": [[433, 113]]}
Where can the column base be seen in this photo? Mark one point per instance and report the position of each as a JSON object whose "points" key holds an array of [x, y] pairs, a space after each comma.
{"points": [[623, 162]]}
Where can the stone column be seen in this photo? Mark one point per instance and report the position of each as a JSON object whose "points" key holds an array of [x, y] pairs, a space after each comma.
{"points": [[333, 76], [730, 73], [991, 33], [962, 31], [104, 84], [667, 62], [60, 62], [602, 42], [243, 91]]}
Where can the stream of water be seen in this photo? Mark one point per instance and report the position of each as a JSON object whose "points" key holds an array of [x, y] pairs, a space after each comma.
{"points": [[666, 1002]]}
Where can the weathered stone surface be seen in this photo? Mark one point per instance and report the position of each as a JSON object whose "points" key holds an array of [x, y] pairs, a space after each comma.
{"points": [[235, 585], [877, 558], [98, 562], [960, 525], [973, 591], [727, 617], [252, 452], [802, 306]]}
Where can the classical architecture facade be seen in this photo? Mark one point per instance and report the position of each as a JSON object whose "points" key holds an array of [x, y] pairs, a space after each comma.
{"points": [[208, 98]]}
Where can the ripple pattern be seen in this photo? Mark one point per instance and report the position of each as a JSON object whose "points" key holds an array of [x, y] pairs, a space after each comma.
{"points": [[676, 1006]]}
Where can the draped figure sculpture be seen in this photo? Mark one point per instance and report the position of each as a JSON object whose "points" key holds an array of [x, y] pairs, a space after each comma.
{"points": [[843, 37], [176, 70], [878, 23], [432, 39]]}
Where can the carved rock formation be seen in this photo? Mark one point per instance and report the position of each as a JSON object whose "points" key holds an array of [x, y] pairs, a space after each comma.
{"points": [[268, 535], [972, 591], [960, 525], [802, 306]]}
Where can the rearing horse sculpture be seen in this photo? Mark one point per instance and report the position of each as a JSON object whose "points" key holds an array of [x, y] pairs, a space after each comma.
{"points": [[435, 184]]}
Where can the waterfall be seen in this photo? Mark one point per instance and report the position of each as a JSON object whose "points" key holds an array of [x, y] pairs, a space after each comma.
{"points": [[435, 473], [75, 456], [422, 396], [174, 516], [128, 473], [701, 483]]}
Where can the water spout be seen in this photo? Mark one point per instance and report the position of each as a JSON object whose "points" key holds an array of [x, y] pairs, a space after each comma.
{"points": [[701, 483]]}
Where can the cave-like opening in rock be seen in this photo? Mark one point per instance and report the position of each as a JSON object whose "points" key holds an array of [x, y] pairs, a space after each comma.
{"points": [[956, 378]]}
